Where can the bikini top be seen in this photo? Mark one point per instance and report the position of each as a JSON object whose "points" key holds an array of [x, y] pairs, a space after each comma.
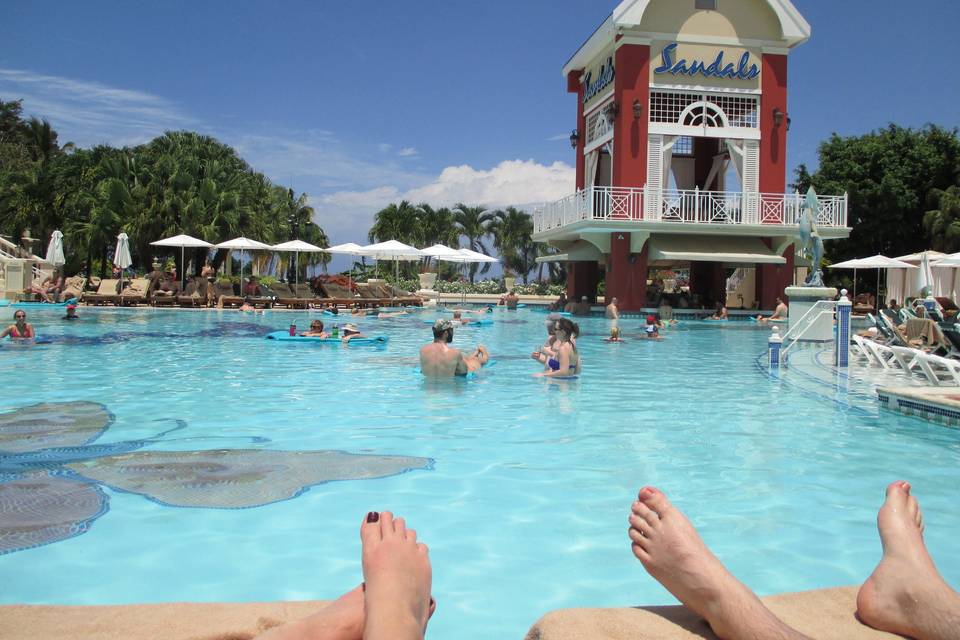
{"points": [[15, 332]]}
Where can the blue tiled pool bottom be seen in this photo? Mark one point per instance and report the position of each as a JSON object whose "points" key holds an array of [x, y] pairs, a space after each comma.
{"points": [[525, 504]]}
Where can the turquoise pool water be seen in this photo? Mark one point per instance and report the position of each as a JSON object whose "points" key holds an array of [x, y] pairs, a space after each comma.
{"points": [[525, 503]]}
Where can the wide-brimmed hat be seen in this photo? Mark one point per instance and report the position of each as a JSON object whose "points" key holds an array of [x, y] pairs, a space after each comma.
{"points": [[351, 327]]}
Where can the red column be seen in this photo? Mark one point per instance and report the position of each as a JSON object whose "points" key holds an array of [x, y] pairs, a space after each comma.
{"points": [[773, 139], [772, 279], [631, 82], [582, 280], [574, 86], [626, 273]]}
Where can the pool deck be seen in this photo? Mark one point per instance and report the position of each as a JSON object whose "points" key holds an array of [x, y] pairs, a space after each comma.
{"points": [[826, 614], [937, 404]]}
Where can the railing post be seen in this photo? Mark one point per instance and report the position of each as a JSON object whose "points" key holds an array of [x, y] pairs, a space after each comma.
{"points": [[846, 205], [696, 204], [842, 339], [774, 342]]}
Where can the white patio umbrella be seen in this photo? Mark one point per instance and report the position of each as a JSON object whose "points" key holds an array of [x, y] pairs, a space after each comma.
{"points": [[347, 249], [297, 246], [243, 245], [184, 242], [951, 261], [121, 256], [877, 262], [468, 256], [55, 249], [392, 250]]}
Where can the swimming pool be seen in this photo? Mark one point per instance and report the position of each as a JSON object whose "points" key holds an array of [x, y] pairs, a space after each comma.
{"points": [[521, 487]]}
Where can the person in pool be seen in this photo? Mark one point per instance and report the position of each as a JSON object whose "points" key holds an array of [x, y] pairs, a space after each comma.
{"points": [[721, 313], [20, 329], [652, 329], [549, 348], [612, 312], [316, 330], [614, 335], [349, 332], [458, 317], [780, 313], [71, 313], [904, 595], [566, 362], [439, 360]]}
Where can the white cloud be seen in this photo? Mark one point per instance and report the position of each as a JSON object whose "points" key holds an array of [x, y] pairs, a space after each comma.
{"points": [[559, 136], [89, 113], [407, 152]]}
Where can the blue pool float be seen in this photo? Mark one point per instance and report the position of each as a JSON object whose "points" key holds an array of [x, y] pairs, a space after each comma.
{"points": [[716, 320], [50, 305], [284, 336], [483, 322]]}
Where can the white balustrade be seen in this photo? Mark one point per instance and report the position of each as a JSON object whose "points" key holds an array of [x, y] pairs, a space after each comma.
{"points": [[685, 206]]}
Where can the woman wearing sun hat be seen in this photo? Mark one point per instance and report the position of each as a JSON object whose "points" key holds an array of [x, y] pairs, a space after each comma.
{"points": [[350, 331]]}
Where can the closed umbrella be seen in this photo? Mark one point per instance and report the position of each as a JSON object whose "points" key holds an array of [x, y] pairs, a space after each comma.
{"points": [[297, 246], [55, 249], [348, 249], [243, 245], [184, 242], [121, 257]]}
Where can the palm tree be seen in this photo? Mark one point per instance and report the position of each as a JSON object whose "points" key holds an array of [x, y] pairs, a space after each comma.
{"points": [[472, 223], [512, 230], [943, 223], [396, 222]]}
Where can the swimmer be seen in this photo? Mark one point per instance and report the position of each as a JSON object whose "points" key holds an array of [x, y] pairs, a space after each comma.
{"points": [[316, 330], [392, 314], [20, 329], [652, 329], [721, 313], [458, 317], [779, 314], [548, 350], [477, 359], [567, 361], [614, 335], [71, 313], [439, 360], [349, 332]]}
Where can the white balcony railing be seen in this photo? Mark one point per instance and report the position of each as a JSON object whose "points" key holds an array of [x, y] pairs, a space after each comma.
{"points": [[684, 206]]}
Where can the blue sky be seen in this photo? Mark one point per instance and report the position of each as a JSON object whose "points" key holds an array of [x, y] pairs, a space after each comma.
{"points": [[361, 104]]}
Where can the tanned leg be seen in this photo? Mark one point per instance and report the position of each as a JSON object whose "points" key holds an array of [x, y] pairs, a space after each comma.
{"points": [[672, 552]]}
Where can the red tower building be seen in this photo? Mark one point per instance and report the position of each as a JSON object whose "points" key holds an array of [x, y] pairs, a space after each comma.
{"points": [[681, 136]]}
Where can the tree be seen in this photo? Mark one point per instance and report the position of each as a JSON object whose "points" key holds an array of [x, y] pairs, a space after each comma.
{"points": [[888, 175], [472, 223], [942, 224], [512, 230]]}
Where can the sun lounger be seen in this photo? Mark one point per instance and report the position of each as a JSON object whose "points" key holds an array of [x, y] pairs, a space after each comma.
{"points": [[135, 292], [338, 295], [223, 292], [940, 370], [192, 297], [951, 334], [287, 297], [907, 359], [161, 298], [106, 293], [75, 288], [882, 355]]}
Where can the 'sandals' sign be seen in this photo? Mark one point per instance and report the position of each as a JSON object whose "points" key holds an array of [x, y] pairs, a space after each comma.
{"points": [[719, 68], [594, 86]]}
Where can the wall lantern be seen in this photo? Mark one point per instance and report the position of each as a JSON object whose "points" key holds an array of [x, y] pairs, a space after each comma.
{"points": [[789, 120], [637, 109], [574, 138], [778, 117], [611, 112]]}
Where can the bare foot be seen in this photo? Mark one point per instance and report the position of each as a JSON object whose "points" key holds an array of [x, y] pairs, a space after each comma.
{"points": [[905, 594], [672, 552], [396, 571], [342, 619]]}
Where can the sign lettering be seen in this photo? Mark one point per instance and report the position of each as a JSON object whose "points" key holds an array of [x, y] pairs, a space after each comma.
{"points": [[744, 70], [604, 78]]}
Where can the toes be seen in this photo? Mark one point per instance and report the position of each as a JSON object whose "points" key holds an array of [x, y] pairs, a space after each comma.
{"points": [[654, 499], [386, 524], [640, 553], [643, 511], [637, 537], [411, 535], [370, 529], [641, 525], [400, 528], [422, 548]]}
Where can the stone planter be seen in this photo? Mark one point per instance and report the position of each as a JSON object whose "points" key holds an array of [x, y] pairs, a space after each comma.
{"points": [[509, 282], [427, 280]]}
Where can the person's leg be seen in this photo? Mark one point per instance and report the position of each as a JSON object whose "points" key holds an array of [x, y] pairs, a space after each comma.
{"points": [[905, 594], [397, 575], [672, 552], [342, 619], [482, 355]]}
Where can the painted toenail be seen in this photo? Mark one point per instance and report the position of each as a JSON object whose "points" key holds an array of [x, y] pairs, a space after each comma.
{"points": [[373, 516]]}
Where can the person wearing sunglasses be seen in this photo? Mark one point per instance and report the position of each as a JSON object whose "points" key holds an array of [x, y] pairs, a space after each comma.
{"points": [[20, 329]]}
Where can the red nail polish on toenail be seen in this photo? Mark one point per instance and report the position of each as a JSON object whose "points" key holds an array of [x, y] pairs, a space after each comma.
{"points": [[373, 516]]}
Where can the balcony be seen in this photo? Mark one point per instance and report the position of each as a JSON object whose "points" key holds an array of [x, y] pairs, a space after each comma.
{"points": [[684, 207]]}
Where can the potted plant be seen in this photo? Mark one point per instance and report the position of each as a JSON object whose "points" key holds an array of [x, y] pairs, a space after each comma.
{"points": [[427, 278], [509, 280]]}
